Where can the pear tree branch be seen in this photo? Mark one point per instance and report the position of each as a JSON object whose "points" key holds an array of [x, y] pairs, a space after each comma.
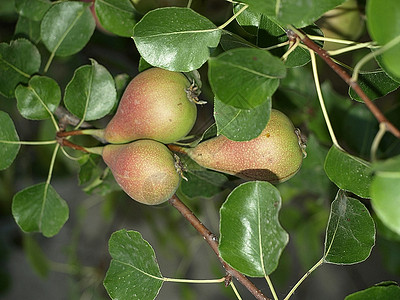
{"points": [[212, 240], [294, 34]]}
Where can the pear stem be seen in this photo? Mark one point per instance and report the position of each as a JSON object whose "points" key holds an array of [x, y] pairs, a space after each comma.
{"points": [[177, 149], [94, 132], [94, 150], [212, 240]]}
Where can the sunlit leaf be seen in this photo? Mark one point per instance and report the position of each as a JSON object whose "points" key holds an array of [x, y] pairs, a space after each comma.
{"points": [[116, 16], [40, 98], [39, 208], [241, 124], [245, 77], [350, 234], [18, 61], [7, 134], [67, 27], [383, 22], [251, 237], [176, 39], [375, 84], [133, 272], [91, 93], [382, 291], [349, 173], [385, 193]]}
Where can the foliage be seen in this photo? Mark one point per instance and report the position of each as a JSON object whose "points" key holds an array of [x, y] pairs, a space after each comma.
{"points": [[252, 61]]}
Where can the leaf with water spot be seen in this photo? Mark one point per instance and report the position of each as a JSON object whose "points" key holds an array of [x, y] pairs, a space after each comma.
{"points": [[350, 234], [133, 273], [39, 208], [251, 237]]}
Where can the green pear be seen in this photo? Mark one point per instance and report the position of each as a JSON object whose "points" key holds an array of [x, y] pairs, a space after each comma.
{"points": [[342, 22], [274, 156], [156, 105], [144, 169]]}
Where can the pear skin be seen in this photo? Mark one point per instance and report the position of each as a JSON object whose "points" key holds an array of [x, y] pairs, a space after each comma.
{"points": [[274, 156], [155, 105], [144, 169]]}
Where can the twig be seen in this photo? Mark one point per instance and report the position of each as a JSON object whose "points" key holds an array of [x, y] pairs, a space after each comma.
{"points": [[211, 239], [66, 118], [294, 33]]}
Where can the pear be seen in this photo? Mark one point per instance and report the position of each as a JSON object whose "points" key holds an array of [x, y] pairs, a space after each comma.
{"points": [[157, 104], [144, 169], [274, 156], [343, 22]]}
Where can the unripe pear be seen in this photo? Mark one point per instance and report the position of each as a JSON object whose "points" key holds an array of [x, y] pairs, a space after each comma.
{"points": [[155, 105], [274, 156], [144, 169], [342, 22]]}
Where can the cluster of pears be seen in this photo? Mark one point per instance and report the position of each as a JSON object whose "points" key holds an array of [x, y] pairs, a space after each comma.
{"points": [[158, 107]]}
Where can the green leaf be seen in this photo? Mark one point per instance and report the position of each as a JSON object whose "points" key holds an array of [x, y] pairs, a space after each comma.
{"points": [[375, 84], [203, 184], [383, 23], [67, 27], [116, 16], [28, 28], [381, 291], [133, 272], [251, 237], [176, 39], [241, 124], [91, 93], [40, 98], [268, 32], [230, 41], [311, 176], [18, 61], [40, 208], [7, 134], [32, 9], [35, 256], [200, 181], [349, 173], [296, 12], [245, 77], [350, 234], [88, 168], [385, 193]]}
